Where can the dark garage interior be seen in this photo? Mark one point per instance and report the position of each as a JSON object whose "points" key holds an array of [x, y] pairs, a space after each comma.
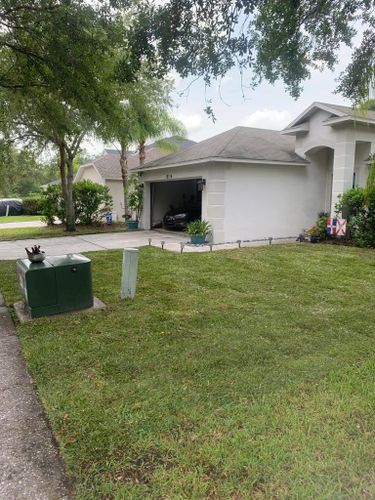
{"points": [[175, 203]]}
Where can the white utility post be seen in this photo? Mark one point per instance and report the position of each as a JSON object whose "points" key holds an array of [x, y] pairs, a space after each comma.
{"points": [[129, 273], [7, 211]]}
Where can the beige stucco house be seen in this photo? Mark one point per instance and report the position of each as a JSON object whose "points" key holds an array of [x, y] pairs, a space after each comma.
{"points": [[106, 170], [254, 183]]}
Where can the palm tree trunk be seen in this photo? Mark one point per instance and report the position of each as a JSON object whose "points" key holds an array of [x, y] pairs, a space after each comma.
{"points": [[142, 153], [125, 177]]}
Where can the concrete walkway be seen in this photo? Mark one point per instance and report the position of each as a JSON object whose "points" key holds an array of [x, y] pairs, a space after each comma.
{"points": [[15, 225], [30, 466], [10, 250]]}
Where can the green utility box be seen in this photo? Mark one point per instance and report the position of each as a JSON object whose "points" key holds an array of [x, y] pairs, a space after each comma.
{"points": [[56, 285]]}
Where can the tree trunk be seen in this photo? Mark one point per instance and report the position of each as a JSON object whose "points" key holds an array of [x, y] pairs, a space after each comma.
{"points": [[142, 153], [62, 164], [125, 177], [69, 202]]}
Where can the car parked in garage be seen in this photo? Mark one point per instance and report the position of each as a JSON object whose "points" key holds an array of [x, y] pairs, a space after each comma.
{"points": [[178, 218]]}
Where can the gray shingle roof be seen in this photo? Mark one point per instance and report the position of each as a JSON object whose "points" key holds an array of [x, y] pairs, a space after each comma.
{"points": [[347, 110], [345, 113], [240, 143], [108, 165]]}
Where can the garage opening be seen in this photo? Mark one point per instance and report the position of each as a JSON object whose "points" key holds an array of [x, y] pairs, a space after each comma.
{"points": [[175, 203]]}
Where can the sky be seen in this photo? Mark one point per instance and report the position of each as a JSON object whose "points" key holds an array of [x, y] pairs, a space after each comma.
{"points": [[267, 106]]}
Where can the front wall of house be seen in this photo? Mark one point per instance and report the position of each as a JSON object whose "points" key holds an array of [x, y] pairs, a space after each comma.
{"points": [[244, 201], [319, 135], [117, 193], [276, 201], [91, 174]]}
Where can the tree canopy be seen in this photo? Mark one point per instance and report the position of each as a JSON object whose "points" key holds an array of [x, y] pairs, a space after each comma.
{"points": [[52, 42], [276, 40]]}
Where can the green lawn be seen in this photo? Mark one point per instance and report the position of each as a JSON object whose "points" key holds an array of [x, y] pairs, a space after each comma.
{"points": [[19, 218], [235, 374], [58, 230]]}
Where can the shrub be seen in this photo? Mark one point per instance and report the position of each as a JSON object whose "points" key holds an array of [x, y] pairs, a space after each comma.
{"points": [[32, 205], [92, 202], [351, 202], [53, 204], [363, 224]]}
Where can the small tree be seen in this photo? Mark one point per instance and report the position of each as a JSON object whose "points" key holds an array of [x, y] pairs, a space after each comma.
{"points": [[135, 196]]}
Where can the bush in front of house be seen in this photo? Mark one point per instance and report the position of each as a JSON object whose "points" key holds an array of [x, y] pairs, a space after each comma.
{"points": [[351, 203], [32, 205], [92, 202], [363, 224]]}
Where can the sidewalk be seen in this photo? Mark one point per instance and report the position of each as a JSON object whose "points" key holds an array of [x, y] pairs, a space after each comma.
{"points": [[30, 466], [15, 249], [11, 250], [15, 225]]}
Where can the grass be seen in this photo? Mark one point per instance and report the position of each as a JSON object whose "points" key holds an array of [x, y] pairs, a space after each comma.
{"points": [[19, 218], [23, 233], [235, 374]]}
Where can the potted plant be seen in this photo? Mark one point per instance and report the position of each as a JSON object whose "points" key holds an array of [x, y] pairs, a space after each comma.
{"points": [[35, 254], [135, 201], [314, 234], [198, 230]]}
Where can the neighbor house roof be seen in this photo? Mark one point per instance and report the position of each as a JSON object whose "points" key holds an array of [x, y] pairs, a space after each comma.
{"points": [[339, 114], [108, 165], [245, 144]]}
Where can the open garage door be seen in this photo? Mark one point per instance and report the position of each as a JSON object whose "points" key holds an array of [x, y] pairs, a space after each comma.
{"points": [[175, 203]]}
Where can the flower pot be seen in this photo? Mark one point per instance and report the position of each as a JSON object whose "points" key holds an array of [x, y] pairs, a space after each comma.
{"points": [[314, 239], [37, 257], [133, 224], [198, 239]]}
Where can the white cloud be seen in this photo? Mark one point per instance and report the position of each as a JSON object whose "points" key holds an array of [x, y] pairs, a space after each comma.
{"points": [[192, 121], [268, 118]]}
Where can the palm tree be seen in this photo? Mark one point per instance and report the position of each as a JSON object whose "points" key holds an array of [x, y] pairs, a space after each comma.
{"points": [[142, 113]]}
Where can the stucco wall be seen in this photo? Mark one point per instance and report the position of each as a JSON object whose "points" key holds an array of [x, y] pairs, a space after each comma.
{"points": [[351, 142], [117, 193], [244, 201], [278, 201], [91, 174]]}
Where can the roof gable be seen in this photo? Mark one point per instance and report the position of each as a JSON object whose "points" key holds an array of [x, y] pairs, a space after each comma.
{"points": [[240, 143], [336, 111]]}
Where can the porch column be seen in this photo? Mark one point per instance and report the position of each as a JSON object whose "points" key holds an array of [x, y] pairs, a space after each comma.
{"points": [[146, 214], [343, 165]]}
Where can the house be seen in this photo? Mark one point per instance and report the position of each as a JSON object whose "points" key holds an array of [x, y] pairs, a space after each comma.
{"points": [[253, 183], [106, 170]]}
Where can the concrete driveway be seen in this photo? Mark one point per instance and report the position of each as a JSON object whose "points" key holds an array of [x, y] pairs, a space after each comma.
{"points": [[10, 250]]}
